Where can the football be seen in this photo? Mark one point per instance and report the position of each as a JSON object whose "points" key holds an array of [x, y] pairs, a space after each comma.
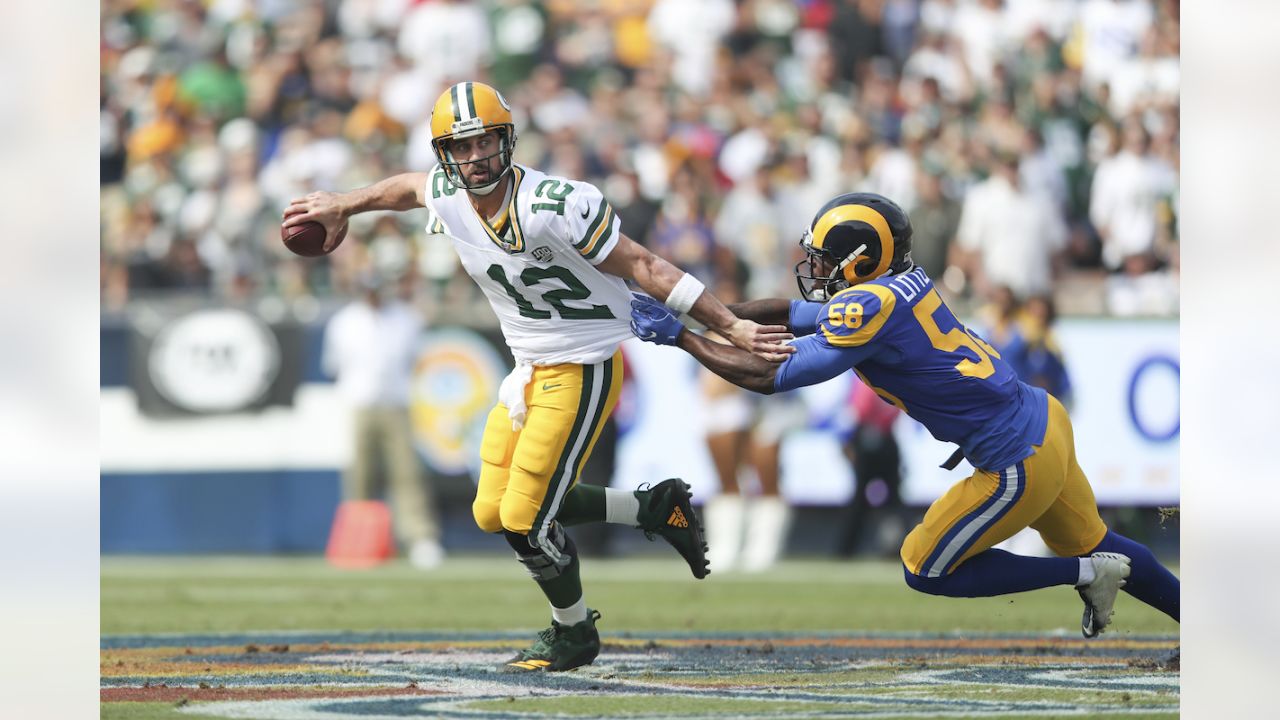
{"points": [[307, 239]]}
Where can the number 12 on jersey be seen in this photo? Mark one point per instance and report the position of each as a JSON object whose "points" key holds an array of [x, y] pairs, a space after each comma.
{"points": [[573, 290]]}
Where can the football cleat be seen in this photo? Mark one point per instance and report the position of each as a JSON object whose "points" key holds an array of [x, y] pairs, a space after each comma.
{"points": [[665, 511], [559, 648], [1099, 596]]}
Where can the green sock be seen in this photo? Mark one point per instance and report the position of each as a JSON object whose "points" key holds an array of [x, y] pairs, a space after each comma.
{"points": [[565, 590], [582, 504]]}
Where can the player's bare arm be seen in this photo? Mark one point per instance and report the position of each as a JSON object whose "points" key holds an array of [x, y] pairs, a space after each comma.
{"points": [[739, 367], [657, 277], [398, 192], [769, 311]]}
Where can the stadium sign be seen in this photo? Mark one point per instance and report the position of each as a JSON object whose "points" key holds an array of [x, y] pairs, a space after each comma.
{"points": [[455, 380], [214, 361]]}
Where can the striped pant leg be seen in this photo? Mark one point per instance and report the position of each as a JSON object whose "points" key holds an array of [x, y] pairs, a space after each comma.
{"points": [[978, 512], [567, 408]]}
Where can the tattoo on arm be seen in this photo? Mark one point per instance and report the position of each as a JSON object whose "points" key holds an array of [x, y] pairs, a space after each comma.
{"points": [[737, 366]]}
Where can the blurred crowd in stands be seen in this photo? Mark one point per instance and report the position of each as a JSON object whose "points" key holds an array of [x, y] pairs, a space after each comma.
{"points": [[1033, 142]]}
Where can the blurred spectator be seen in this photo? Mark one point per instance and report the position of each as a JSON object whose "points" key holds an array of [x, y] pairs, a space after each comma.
{"points": [[751, 226], [934, 222], [1038, 358], [682, 233], [1111, 30], [1123, 200], [855, 36], [448, 38], [999, 318], [1040, 172], [938, 57], [370, 346], [213, 115], [691, 31], [1011, 235], [873, 452], [1150, 78], [980, 27], [746, 530], [894, 170], [1022, 331], [519, 32], [1128, 191]]}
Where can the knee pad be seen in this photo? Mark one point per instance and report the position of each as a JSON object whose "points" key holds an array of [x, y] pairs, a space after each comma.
{"points": [[517, 513], [548, 560], [487, 515]]}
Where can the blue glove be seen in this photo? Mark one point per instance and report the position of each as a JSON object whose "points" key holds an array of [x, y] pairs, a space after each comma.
{"points": [[651, 321]]}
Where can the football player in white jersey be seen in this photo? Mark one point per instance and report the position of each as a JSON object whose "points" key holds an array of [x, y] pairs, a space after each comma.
{"points": [[549, 254]]}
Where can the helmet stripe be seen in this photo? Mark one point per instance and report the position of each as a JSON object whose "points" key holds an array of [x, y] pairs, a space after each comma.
{"points": [[471, 100], [453, 99], [862, 213]]}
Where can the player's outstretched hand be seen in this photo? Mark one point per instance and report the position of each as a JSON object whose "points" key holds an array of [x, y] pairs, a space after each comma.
{"points": [[767, 341], [322, 207], [651, 321]]}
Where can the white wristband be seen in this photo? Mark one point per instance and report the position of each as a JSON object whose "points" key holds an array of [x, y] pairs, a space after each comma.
{"points": [[685, 294]]}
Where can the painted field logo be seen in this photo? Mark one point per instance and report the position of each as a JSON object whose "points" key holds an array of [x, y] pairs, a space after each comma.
{"points": [[358, 676]]}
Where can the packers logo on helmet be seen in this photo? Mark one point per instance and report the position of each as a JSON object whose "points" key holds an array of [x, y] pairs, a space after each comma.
{"points": [[854, 238], [470, 109]]}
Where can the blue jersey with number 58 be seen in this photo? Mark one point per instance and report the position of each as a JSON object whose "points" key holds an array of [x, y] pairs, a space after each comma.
{"points": [[902, 340]]}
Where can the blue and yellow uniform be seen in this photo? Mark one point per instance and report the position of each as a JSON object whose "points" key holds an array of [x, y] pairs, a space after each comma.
{"points": [[902, 340]]}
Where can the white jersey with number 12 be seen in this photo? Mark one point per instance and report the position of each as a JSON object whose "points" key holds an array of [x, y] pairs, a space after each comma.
{"points": [[536, 264]]}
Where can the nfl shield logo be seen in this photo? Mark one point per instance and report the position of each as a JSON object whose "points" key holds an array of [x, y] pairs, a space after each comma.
{"points": [[542, 254]]}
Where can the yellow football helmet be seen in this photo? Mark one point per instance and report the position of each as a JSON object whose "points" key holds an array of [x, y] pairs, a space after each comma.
{"points": [[466, 110]]}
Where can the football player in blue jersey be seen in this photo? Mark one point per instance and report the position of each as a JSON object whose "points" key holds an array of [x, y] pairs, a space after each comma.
{"points": [[869, 308]]}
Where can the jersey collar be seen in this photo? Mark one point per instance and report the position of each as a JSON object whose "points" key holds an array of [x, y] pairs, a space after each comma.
{"points": [[508, 222]]}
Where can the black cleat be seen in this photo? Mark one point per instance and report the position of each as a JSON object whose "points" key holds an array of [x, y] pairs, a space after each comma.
{"points": [[559, 647], [665, 510]]}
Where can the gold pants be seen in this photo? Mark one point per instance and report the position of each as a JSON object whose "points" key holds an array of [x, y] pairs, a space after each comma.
{"points": [[525, 473], [1047, 491]]}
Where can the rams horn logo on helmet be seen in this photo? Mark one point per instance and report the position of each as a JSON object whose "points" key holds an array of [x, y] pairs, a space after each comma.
{"points": [[854, 238]]}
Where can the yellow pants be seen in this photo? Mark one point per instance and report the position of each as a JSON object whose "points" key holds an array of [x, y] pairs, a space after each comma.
{"points": [[525, 473], [1047, 491]]}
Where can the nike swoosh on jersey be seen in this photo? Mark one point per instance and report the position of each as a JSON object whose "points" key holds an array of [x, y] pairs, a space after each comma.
{"points": [[548, 386], [585, 213]]}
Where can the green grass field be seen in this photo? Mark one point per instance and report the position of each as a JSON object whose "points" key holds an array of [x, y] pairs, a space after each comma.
{"points": [[210, 637]]}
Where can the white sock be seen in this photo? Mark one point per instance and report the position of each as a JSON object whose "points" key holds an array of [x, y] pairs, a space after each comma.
{"points": [[724, 516], [571, 615], [1087, 574], [621, 507], [768, 519]]}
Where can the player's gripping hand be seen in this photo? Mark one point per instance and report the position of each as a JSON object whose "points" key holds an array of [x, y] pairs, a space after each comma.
{"points": [[322, 207], [651, 321], [771, 342]]}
